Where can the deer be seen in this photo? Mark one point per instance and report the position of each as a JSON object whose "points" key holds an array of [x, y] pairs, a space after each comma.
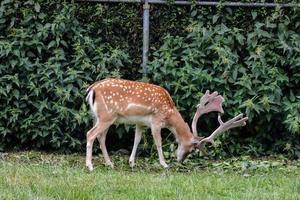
{"points": [[147, 105]]}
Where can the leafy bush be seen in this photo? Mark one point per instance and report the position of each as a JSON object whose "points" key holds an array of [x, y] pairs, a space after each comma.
{"points": [[256, 69], [48, 60]]}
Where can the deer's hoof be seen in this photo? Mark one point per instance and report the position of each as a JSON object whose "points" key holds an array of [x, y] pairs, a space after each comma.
{"points": [[90, 167], [165, 165], [131, 163], [110, 164]]}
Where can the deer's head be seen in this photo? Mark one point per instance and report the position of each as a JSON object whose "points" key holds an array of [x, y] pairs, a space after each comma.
{"points": [[208, 103]]}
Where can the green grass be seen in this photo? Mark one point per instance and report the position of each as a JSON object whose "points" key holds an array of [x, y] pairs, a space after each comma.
{"points": [[36, 175]]}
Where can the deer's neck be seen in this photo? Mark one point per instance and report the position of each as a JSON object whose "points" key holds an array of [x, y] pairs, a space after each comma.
{"points": [[180, 129]]}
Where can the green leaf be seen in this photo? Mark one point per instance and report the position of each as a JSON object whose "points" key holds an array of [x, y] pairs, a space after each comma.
{"points": [[37, 7], [254, 14], [215, 18], [16, 94]]}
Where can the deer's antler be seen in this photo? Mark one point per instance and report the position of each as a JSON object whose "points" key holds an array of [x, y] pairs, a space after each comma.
{"points": [[234, 122], [208, 103]]}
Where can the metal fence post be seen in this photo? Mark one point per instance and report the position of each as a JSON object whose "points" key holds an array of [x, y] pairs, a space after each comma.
{"points": [[146, 14]]}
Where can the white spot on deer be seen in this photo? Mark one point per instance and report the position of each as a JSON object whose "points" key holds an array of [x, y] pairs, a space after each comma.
{"points": [[134, 105]]}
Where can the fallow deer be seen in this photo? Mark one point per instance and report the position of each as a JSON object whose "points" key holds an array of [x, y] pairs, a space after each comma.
{"points": [[147, 105]]}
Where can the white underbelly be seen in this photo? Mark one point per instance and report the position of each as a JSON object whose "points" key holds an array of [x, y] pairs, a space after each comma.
{"points": [[141, 120]]}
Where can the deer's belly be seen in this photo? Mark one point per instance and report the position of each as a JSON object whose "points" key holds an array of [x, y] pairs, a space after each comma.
{"points": [[141, 120]]}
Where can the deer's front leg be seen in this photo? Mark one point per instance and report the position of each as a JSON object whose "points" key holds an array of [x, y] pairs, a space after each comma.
{"points": [[137, 139], [157, 139]]}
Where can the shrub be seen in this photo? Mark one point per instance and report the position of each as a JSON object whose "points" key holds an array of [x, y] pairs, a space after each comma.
{"points": [[256, 69], [48, 60]]}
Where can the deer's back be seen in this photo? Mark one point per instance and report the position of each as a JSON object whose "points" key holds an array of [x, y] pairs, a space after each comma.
{"points": [[131, 98]]}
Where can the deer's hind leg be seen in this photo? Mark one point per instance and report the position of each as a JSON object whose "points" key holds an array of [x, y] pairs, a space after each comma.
{"points": [[98, 131], [102, 138]]}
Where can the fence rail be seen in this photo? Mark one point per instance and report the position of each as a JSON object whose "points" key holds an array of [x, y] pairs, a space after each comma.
{"points": [[202, 3]]}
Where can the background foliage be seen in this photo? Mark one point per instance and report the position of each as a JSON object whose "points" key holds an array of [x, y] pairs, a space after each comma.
{"points": [[50, 51]]}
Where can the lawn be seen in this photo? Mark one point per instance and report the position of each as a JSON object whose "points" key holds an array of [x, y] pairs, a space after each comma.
{"points": [[37, 175]]}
